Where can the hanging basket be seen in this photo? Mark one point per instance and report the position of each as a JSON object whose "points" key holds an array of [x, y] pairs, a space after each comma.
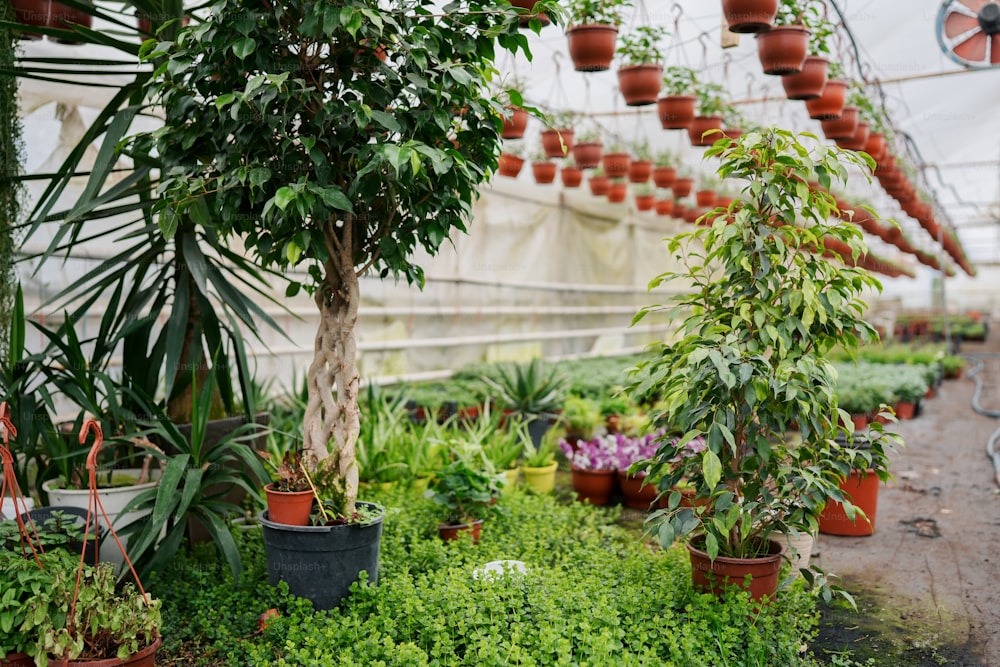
{"points": [[702, 124], [616, 164], [639, 171], [510, 165], [664, 207], [588, 155], [592, 46], [555, 141], [640, 84], [544, 172], [599, 185], [31, 13], [529, 13], [749, 16], [682, 187], [617, 192], [783, 49], [676, 111], [515, 124], [843, 127], [830, 103], [645, 202], [571, 177], [858, 140], [810, 82], [664, 177]]}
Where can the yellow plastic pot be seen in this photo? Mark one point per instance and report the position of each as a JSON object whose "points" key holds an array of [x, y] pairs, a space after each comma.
{"points": [[540, 480]]}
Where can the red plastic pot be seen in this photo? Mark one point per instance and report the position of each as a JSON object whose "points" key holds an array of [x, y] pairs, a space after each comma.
{"points": [[676, 111], [544, 172], [682, 187], [592, 46], [863, 492], [733, 133], [510, 165], [702, 124], [571, 177], [645, 202], [291, 508], [63, 17], [636, 492], [553, 142], [514, 126], [843, 127], [144, 658], [449, 532], [664, 207], [905, 410], [748, 16], [705, 198], [858, 141], [593, 486], [588, 154], [617, 192], [639, 171], [810, 82], [31, 13], [599, 185], [640, 84], [783, 49], [715, 576], [17, 660], [831, 103], [876, 146], [663, 177], [529, 7], [616, 165]]}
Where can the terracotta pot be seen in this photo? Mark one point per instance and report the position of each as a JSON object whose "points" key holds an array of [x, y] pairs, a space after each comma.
{"points": [[593, 486], [291, 508], [691, 215], [452, 532], [702, 124], [831, 103], [636, 492], [553, 142], [616, 165], [645, 202], [663, 177], [664, 207], [510, 165], [745, 16], [545, 172], [733, 133], [856, 142], [17, 660], [676, 111], [876, 146], [144, 658], [64, 17], [639, 171], [680, 210], [33, 13], [705, 198], [572, 177], [905, 410], [529, 7], [640, 84], [514, 126], [860, 422], [783, 49], [810, 82], [726, 571], [599, 185], [863, 492], [617, 192], [588, 154], [592, 46], [682, 187], [843, 127]]}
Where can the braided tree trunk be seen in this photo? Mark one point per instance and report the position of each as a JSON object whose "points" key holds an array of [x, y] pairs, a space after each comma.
{"points": [[332, 420]]}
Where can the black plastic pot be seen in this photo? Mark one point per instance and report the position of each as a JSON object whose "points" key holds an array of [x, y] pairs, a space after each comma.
{"points": [[320, 563]]}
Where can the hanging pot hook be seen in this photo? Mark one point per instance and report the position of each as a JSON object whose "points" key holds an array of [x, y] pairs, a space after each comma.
{"points": [[6, 424], [95, 426]]}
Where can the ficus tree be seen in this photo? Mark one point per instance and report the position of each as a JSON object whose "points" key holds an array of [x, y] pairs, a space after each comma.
{"points": [[333, 139]]}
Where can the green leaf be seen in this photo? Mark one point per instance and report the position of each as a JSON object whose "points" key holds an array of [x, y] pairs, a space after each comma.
{"points": [[244, 47], [284, 196], [168, 222], [712, 467]]}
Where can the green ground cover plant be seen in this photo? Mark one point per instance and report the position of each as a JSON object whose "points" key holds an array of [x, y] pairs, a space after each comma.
{"points": [[593, 594]]}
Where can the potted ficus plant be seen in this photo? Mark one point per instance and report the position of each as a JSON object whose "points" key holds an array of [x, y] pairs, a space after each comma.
{"points": [[325, 209], [542, 168], [599, 183], [557, 139], [762, 309], [676, 108], [593, 32], [511, 160], [642, 64]]}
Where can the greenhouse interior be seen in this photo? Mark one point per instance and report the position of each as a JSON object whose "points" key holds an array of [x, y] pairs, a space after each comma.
{"points": [[500, 332]]}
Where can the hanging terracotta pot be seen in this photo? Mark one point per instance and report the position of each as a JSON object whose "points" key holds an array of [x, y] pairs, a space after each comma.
{"points": [[810, 82], [783, 49], [664, 207], [876, 146], [33, 13], [553, 142], [691, 215], [858, 141], [616, 165], [63, 17], [529, 13], [663, 177], [640, 84], [510, 165], [843, 127], [592, 46], [572, 177], [831, 103], [705, 198], [679, 210], [593, 486], [702, 124], [682, 187], [617, 192], [645, 202], [599, 185], [588, 154], [676, 111], [763, 571], [639, 171], [544, 172], [515, 124], [748, 16], [733, 133]]}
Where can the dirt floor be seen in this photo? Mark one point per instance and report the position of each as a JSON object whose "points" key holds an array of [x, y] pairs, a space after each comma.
{"points": [[928, 580]]}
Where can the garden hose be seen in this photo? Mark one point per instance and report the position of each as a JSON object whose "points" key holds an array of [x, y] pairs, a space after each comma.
{"points": [[979, 363]]}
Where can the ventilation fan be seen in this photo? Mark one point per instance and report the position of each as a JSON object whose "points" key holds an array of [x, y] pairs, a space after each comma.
{"points": [[969, 32]]}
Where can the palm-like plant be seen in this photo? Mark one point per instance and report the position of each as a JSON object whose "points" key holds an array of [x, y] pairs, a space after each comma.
{"points": [[531, 390]]}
